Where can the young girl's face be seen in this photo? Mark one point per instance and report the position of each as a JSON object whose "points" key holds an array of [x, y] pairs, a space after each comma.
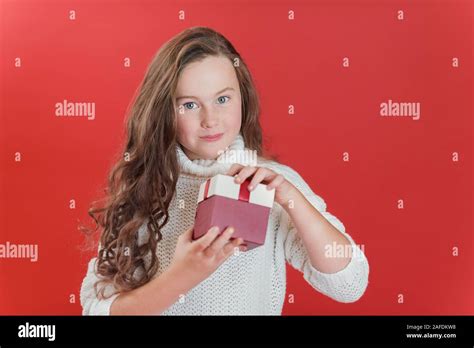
{"points": [[208, 102]]}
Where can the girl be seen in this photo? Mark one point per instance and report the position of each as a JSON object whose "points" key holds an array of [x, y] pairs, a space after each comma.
{"points": [[197, 104]]}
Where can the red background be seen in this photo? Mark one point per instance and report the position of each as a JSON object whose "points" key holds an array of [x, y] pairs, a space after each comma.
{"points": [[295, 62]]}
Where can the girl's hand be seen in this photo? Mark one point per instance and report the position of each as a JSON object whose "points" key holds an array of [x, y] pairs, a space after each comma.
{"points": [[284, 190], [198, 259]]}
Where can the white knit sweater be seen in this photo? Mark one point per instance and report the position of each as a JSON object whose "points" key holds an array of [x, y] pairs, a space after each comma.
{"points": [[251, 282]]}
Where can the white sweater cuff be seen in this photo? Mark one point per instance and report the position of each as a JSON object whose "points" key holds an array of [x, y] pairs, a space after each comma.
{"points": [[346, 285]]}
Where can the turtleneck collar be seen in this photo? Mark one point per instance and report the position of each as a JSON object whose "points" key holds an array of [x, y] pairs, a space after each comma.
{"points": [[211, 167]]}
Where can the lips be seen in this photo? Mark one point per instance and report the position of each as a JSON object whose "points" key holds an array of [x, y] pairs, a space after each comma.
{"points": [[212, 136]]}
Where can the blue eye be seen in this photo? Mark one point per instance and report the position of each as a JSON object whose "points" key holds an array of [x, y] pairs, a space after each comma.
{"points": [[222, 97], [187, 104]]}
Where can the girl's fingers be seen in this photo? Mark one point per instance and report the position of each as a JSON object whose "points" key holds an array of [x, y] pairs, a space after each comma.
{"points": [[229, 248], [244, 174], [278, 180], [219, 242], [259, 176], [206, 240], [241, 173], [234, 169]]}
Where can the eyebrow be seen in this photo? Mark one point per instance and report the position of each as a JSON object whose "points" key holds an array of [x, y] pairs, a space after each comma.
{"points": [[221, 91]]}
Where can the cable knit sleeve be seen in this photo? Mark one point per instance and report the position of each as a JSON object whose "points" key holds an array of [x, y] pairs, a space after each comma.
{"points": [[91, 304], [346, 285]]}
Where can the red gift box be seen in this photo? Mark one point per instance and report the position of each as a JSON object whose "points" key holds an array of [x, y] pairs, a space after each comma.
{"points": [[223, 203]]}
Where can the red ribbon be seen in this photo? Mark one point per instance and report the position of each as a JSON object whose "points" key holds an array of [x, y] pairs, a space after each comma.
{"points": [[244, 193], [206, 188]]}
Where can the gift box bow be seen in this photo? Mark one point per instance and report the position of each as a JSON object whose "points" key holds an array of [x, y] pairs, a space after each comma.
{"points": [[225, 186]]}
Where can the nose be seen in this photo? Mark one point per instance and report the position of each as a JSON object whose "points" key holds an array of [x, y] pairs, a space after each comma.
{"points": [[209, 117]]}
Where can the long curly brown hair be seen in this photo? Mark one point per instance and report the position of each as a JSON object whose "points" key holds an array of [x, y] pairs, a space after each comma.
{"points": [[142, 182]]}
